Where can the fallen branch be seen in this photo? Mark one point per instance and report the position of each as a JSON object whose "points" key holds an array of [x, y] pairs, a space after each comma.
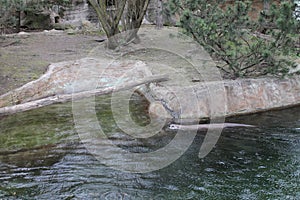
{"points": [[76, 96]]}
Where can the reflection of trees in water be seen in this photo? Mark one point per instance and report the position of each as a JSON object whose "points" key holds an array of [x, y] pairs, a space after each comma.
{"points": [[35, 157], [288, 118], [31, 139]]}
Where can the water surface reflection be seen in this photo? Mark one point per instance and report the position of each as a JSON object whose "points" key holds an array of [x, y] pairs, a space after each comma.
{"points": [[41, 157]]}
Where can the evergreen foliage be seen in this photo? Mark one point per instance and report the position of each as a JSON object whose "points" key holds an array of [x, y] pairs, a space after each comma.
{"points": [[242, 46]]}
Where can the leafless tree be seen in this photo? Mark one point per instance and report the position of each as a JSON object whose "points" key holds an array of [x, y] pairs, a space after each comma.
{"points": [[118, 16]]}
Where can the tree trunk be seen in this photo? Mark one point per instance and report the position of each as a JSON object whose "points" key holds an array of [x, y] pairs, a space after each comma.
{"points": [[18, 25], [129, 12], [159, 14]]}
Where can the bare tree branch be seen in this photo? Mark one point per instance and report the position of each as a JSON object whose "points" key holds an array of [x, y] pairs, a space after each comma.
{"points": [[76, 96]]}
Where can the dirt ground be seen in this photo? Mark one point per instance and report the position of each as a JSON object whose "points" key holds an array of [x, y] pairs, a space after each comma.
{"points": [[24, 57]]}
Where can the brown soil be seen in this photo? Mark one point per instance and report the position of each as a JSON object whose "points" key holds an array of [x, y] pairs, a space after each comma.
{"points": [[24, 57]]}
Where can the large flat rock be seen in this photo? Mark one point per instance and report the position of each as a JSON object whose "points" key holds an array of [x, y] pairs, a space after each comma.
{"points": [[226, 98]]}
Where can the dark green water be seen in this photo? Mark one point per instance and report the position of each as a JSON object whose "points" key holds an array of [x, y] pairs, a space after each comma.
{"points": [[41, 157]]}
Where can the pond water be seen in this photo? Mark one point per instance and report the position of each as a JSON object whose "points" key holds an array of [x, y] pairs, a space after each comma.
{"points": [[41, 157]]}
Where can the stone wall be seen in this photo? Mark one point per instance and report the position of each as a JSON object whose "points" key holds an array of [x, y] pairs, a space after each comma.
{"points": [[74, 15], [78, 13], [154, 10], [236, 97]]}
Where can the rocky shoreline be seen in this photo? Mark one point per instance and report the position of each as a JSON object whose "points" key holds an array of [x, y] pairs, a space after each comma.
{"points": [[25, 57]]}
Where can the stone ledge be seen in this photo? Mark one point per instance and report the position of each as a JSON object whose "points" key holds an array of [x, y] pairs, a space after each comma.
{"points": [[243, 96]]}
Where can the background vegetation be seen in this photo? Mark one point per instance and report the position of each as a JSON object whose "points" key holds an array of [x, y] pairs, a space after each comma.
{"points": [[242, 46]]}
